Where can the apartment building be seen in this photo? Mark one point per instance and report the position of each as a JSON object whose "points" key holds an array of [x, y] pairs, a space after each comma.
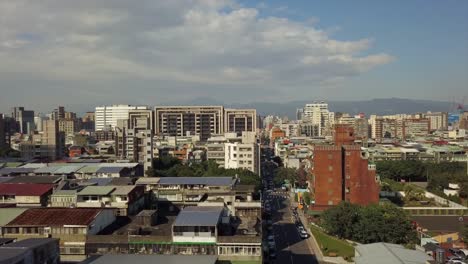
{"points": [[239, 120], [242, 156], [204, 121], [189, 120], [413, 127], [106, 117], [318, 114], [134, 137], [233, 152], [438, 120], [127, 200], [24, 119]]}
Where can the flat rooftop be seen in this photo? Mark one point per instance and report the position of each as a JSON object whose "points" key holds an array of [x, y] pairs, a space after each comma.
{"points": [[199, 216], [145, 259]]}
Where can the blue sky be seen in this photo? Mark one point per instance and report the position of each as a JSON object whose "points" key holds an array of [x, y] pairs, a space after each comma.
{"points": [[428, 38], [93, 52]]}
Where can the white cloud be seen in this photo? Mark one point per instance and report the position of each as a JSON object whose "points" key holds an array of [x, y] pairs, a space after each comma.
{"points": [[199, 42]]}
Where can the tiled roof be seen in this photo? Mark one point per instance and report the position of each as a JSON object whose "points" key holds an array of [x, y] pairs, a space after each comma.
{"points": [[56, 217], [25, 189]]}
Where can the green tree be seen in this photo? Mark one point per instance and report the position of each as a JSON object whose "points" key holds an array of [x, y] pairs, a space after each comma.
{"points": [[369, 224], [340, 220], [283, 174]]}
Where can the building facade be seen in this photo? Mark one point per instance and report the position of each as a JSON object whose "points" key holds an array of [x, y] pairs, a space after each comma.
{"points": [[106, 117]]}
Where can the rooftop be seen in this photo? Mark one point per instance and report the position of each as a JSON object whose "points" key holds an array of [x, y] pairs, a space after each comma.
{"points": [[35, 179], [25, 189], [210, 181], [56, 217], [199, 216], [385, 253], [8, 214], [440, 223], [97, 190], [144, 259]]}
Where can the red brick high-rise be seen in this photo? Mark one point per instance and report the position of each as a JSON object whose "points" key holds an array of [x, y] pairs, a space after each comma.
{"points": [[342, 173]]}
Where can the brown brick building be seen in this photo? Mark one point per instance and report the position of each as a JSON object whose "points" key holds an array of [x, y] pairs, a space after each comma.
{"points": [[342, 173]]}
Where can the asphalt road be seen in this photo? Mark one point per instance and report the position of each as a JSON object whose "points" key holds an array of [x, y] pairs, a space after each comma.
{"points": [[289, 246]]}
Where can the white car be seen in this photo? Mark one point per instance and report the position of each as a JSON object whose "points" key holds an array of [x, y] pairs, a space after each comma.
{"points": [[301, 228], [303, 234]]}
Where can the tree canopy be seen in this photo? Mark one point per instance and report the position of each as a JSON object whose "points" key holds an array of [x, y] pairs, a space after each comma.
{"points": [[369, 224], [172, 167]]}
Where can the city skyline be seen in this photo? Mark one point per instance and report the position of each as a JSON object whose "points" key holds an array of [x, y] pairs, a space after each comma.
{"points": [[231, 51]]}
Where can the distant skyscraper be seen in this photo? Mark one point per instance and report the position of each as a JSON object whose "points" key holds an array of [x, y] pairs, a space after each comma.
{"points": [[107, 116], [25, 119], [299, 113], [3, 142], [317, 114]]}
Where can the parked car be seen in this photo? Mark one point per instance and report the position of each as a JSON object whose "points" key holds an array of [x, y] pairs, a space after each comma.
{"points": [[303, 234]]}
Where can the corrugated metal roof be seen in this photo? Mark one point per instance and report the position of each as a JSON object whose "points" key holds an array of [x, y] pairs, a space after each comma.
{"points": [[211, 181], [8, 214], [68, 169], [89, 169], [110, 170], [100, 181], [46, 170], [34, 165], [65, 192], [123, 190], [35, 179], [385, 253], [8, 171], [147, 180], [25, 189], [97, 190], [56, 217], [199, 216]]}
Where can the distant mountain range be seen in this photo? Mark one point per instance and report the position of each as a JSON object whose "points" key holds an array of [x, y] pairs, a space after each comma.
{"points": [[375, 106]]}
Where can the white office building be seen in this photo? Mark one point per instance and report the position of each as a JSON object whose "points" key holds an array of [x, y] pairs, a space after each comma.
{"points": [[317, 114], [107, 116]]}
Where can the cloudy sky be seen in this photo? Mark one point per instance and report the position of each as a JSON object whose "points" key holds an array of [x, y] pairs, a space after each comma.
{"points": [[89, 52]]}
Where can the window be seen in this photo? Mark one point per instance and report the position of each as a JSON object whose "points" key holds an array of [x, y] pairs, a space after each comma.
{"points": [[330, 168]]}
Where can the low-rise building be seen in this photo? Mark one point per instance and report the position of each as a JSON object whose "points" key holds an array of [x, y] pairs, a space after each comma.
{"points": [[385, 253], [27, 194], [31, 251], [70, 225], [128, 200]]}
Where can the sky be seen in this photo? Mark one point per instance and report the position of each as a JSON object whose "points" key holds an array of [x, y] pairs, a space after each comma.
{"points": [[94, 52]]}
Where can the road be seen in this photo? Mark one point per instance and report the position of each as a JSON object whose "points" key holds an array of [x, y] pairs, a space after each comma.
{"points": [[290, 247]]}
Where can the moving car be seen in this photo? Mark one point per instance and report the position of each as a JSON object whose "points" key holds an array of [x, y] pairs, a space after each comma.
{"points": [[303, 234]]}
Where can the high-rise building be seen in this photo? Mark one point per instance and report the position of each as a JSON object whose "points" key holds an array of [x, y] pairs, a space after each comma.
{"points": [[106, 117], [52, 139], [438, 120], [239, 120], [3, 142], [134, 137], [412, 127], [58, 113], [87, 121], [299, 113], [317, 114], [342, 173], [359, 124], [384, 128], [24, 118], [189, 120]]}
